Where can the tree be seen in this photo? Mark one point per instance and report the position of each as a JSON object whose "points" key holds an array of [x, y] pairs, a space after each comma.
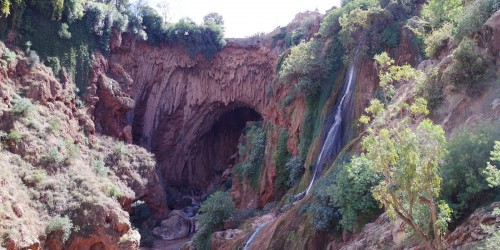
{"points": [[438, 12], [491, 172], [215, 18], [213, 212], [407, 156], [351, 190]]}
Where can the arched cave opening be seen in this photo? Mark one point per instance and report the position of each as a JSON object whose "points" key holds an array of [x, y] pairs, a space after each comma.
{"points": [[217, 148]]}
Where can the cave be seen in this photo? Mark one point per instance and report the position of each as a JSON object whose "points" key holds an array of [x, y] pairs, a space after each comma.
{"points": [[216, 148]]}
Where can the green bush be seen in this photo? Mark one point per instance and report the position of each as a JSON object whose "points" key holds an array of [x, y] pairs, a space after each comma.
{"points": [[64, 32], [325, 214], [296, 168], [437, 40], [252, 154], [352, 191], [15, 136], [9, 55], [390, 36], [33, 58], [280, 157], [60, 224], [473, 17], [212, 214], [440, 12], [54, 63], [100, 167], [22, 107], [462, 171], [469, 67], [111, 190]]}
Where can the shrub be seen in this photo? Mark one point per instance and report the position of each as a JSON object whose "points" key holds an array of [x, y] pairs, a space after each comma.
{"points": [[352, 191], [9, 55], [54, 63], [15, 136], [390, 36], [73, 9], [491, 173], [111, 190], [439, 12], [462, 171], [473, 17], [33, 58], [22, 107], [64, 32], [53, 156], [120, 150], [438, 39], [62, 225], [431, 89], [469, 67], [100, 167], [281, 156], [253, 155], [296, 168], [212, 214], [325, 214]]}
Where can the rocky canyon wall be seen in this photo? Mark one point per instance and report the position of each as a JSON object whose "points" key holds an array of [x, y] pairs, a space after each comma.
{"points": [[168, 102]]}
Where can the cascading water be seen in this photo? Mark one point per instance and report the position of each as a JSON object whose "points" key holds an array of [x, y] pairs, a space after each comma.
{"points": [[254, 234], [333, 143]]}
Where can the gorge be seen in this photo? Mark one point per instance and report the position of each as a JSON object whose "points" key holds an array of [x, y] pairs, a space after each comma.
{"points": [[179, 138]]}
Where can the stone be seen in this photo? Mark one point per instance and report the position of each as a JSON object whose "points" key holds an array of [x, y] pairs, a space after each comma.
{"points": [[177, 226]]}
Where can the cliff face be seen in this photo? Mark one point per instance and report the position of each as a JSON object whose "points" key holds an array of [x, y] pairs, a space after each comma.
{"points": [[175, 102], [62, 185]]}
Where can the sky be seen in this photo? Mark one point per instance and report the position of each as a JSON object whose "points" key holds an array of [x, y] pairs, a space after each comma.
{"points": [[244, 18]]}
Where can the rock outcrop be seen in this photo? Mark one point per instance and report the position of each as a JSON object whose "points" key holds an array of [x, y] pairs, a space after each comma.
{"points": [[172, 102], [62, 185]]}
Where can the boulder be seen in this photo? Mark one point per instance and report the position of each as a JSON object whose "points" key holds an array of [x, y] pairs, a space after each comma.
{"points": [[177, 226]]}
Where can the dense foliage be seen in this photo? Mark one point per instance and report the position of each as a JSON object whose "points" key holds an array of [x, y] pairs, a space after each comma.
{"points": [[213, 212], [406, 150], [469, 67], [252, 153], [73, 29], [463, 178], [352, 191], [281, 157]]}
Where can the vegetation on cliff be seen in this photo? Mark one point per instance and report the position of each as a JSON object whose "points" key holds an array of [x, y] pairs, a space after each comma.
{"points": [[74, 29], [59, 181]]}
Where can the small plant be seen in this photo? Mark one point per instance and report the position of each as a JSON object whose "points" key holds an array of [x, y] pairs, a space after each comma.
{"points": [[111, 190], [55, 124], [53, 156], [33, 59], [64, 32], [280, 157], [9, 55], [62, 225], [470, 66], [296, 168], [213, 212], [22, 106], [120, 150], [100, 167], [15, 136], [54, 63]]}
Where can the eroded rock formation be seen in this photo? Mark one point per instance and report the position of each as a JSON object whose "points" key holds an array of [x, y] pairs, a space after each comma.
{"points": [[178, 104]]}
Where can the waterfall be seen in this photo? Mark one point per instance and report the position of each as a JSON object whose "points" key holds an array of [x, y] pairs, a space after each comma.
{"points": [[332, 143], [254, 234]]}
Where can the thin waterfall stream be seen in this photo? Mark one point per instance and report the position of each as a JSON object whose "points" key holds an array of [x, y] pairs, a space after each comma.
{"points": [[332, 144]]}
